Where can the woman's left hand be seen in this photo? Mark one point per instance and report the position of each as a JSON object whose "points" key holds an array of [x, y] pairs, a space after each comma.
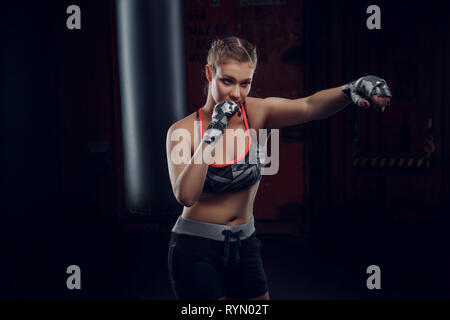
{"points": [[369, 90]]}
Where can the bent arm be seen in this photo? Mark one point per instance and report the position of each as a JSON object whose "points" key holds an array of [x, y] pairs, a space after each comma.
{"points": [[189, 184], [187, 173]]}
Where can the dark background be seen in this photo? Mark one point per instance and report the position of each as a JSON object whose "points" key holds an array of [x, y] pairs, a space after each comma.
{"points": [[62, 160]]}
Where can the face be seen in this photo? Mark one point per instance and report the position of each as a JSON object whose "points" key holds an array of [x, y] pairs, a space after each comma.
{"points": [[232, 81]]}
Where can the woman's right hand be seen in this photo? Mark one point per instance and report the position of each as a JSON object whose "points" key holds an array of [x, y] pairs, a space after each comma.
{"points": [[223, 111]]}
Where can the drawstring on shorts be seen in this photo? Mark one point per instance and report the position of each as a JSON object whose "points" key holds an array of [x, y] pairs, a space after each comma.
{"points": [[226, 249]]}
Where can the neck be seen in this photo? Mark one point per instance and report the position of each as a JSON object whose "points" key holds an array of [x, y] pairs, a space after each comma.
{"points": [[208, 108]]}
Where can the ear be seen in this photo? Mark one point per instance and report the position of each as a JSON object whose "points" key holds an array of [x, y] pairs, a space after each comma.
{"points": [[208, 73]]}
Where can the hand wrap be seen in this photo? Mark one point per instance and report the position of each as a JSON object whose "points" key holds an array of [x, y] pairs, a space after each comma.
{"points": [[223, 111], [365, 88]]}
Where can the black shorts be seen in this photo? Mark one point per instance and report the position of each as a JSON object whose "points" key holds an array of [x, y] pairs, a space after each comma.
{"points": [[202, 268]]}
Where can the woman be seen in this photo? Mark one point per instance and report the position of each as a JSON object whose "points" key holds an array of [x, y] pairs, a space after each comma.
{"points": [[214, 252]]}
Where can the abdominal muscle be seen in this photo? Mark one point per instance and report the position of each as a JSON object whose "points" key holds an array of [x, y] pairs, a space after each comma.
{"points": [[232, 208]]}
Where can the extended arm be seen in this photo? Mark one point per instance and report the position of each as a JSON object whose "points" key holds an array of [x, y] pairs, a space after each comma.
{"points": [[366, 91], [327, 102]]}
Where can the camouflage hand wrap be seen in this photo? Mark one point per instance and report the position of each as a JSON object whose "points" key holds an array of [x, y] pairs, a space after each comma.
{"points": [[223, 111], [365, 88]]}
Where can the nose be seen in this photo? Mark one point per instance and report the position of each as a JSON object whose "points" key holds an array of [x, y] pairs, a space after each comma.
{"points": [[235, 94]]}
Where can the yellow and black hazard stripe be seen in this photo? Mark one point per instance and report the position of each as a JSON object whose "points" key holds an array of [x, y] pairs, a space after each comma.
{"points": [[420, 159]]}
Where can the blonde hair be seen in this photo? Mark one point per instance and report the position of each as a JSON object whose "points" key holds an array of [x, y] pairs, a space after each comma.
{"points": [[234, 48], [231, 48]]}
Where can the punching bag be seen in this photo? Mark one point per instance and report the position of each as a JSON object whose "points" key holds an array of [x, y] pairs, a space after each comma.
{"points": [[152, 88]]}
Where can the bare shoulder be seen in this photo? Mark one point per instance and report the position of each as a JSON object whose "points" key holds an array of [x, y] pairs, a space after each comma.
{"points": [[252, 101], [256, 112], [184, 123], [173, 134]]}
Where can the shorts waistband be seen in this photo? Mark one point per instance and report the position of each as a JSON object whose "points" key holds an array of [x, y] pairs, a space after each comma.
{"points": [[213, 231]]}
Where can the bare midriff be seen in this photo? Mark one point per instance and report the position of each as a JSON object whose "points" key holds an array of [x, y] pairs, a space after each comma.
{"points": [[232, 208]]}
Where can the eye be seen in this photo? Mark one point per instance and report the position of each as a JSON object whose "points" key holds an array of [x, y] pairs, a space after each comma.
{"points": [[227, 81], [246, 84]]}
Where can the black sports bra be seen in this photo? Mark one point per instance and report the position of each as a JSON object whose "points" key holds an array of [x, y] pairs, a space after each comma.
{"points": [[234, 176]]}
